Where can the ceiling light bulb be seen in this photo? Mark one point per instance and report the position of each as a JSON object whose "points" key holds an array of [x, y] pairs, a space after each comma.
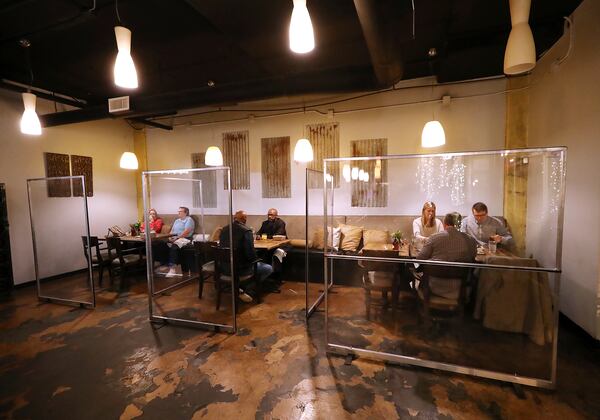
{"points": [[519, 56], [213, 156], [354, 173], [30, 123], [128, 161], [124, 72], [303, 152], [302, 38], [346, 172], [433, 135]]}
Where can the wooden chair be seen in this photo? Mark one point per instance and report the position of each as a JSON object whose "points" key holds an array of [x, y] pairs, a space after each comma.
{"points": [[125, 260], [380, 277], [223, 280], [431, 301], [100, 259]]}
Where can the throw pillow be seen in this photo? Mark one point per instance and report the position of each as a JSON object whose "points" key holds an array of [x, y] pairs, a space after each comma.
{"points": [[350, 237], [376, 237]]}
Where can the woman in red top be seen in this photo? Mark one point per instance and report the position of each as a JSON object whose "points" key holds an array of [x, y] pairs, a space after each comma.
{"points": [[156, 223]]}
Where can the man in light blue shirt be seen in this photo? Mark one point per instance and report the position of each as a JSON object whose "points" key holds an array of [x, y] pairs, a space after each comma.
{"points": [[485, 228]]}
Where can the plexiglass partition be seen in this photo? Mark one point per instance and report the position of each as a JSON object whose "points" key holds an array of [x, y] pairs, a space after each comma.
{"points": [[315, 240], [415, 290], [181, 273], [60, 234]]}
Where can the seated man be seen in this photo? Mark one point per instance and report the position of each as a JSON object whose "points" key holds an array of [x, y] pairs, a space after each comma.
{"points": [[168, 253], [449, 245], [485, 228], [273, 225], [243, 245]]}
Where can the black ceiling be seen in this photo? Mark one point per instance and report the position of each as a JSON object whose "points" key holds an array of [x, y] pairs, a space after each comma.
{"points": [[179, 46]]}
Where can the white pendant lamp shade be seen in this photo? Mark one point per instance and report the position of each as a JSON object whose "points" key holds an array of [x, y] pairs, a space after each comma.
{"points": [[30, 123], [519, 56], [302, 38], [213, 156], [346, 172], [128, 161], [433, 135], [303, 152], [125, 73], [354, 174], [366, 177]]}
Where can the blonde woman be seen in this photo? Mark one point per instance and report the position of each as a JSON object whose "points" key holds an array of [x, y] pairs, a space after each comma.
{"points": [[427, 224]]}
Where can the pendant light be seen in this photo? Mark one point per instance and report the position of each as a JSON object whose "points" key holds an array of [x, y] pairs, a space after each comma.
{"points": [[128, 161], [303, 151], [213, 156], [302, 38], [124, 71], [30, 123], [346, 171], [433, 133], [519, 56]]}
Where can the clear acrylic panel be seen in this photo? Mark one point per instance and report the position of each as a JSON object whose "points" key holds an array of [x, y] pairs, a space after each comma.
{"points": [[60, 233], [182, 286], [315, 241], [463, 308]]}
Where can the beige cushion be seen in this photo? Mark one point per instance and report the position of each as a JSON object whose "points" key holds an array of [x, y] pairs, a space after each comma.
{"points": [[166, 228], [300, 243], [318, 239], [379, 279], [351, 236], [216, 234], [375, 237]]}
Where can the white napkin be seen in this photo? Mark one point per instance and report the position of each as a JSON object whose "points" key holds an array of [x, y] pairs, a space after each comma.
{"points": [[280, 254]]}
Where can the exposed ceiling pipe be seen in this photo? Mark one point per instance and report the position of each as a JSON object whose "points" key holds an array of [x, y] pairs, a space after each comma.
{"points": [[18, 87], [382, 40], [322, 82]]}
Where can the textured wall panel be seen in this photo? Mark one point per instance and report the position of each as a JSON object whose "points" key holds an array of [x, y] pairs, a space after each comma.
{"points": [[236, 155], [325, 140], [209, 184], [276, 168], [82, 165], [374, 192], [57, 164]]}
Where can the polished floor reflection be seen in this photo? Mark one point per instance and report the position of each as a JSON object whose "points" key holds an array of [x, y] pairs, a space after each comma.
{"points": [[58, 361]]}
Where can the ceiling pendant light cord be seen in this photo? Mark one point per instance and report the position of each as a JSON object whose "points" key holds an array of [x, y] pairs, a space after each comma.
{"points": [[413, 19], [117, 10]]}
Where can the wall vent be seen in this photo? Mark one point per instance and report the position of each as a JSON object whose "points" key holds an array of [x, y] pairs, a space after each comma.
{"points": [[119, 104]]}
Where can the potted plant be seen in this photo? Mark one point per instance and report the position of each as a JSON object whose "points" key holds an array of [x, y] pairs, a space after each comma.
{"points": [[396, 239]]}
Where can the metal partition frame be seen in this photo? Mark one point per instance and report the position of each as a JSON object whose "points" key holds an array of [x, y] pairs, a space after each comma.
{"points": [[416, 361], [146, 188], [312, 307], [42, 297]]}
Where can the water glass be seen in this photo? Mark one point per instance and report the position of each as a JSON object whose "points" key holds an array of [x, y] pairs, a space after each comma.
{"points": [[492, 246]]}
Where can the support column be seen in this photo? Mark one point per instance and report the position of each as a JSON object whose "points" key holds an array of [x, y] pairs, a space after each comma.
{"points": [[139, 148], [516, 168]]}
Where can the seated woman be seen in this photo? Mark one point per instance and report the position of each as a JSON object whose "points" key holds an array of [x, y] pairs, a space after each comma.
{"points": [[156, 223], [427, 224]]}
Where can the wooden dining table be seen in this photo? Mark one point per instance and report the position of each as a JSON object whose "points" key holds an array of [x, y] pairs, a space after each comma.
{"points": [[269, 244], [140, 238]]}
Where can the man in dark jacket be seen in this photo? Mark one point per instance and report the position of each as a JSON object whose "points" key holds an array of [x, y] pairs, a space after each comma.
{"points": [[244, 252], [273, 225]]}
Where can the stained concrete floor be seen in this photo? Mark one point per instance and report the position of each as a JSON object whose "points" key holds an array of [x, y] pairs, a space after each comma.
{"points": [[62, 362]]}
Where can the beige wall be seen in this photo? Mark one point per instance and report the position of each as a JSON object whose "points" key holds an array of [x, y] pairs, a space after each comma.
{"points": [[114, 200], [475, 123], [565, 104]]}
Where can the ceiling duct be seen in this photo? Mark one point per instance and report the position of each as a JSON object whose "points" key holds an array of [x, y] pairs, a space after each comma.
{"points": [[381, 35]]}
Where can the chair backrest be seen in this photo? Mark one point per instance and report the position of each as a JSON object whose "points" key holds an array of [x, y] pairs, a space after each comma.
{"points": [[376, 265], [114, 248], [222, 261], [205, 251], [446, 272], [93, 244]]}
